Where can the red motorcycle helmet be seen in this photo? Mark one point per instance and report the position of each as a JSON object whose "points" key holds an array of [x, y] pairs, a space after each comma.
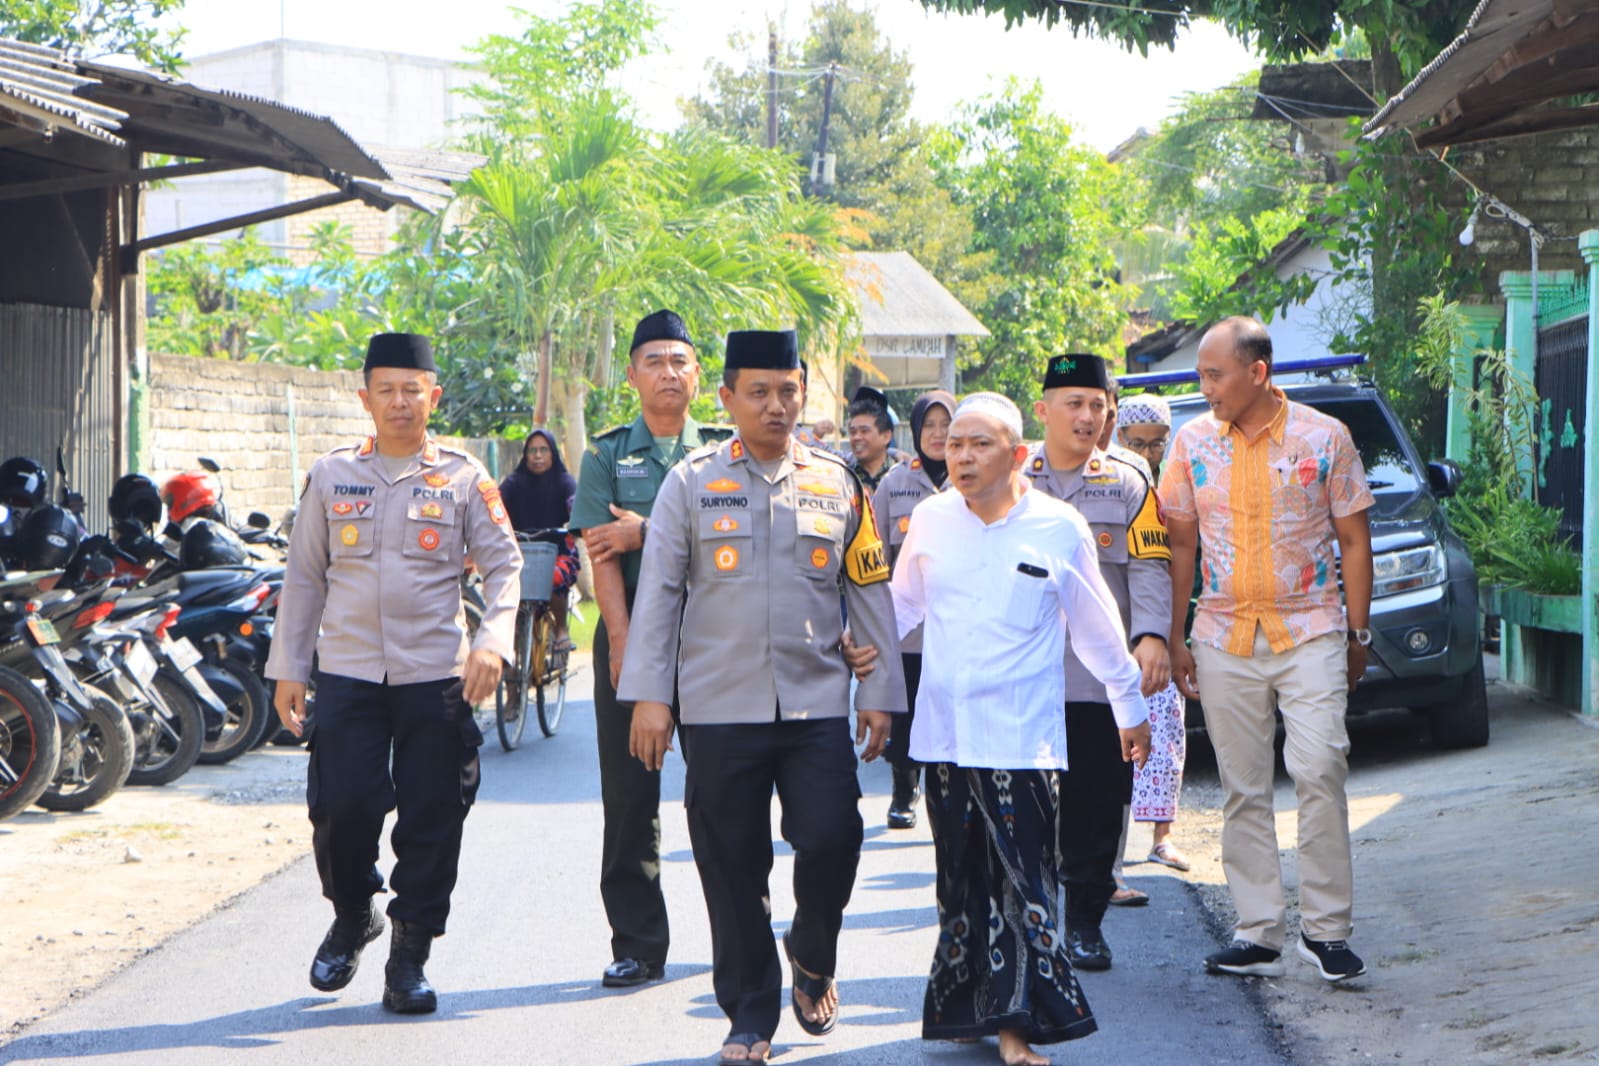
{"points": [[189, 493]]}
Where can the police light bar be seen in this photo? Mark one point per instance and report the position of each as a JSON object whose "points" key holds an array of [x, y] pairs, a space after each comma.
{"points": [[1293, 366]]}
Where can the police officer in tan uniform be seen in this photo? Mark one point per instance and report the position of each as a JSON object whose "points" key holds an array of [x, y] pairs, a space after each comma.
{"points": [[902, 488], [752, 543], [1119, 504], [385, 528]]}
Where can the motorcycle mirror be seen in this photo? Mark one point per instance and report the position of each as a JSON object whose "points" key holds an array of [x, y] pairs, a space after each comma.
{"points": [[257, 520], [207, 463]]}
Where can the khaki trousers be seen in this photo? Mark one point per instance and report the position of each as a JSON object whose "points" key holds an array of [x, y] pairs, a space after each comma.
{"points": [[1309, 683]]}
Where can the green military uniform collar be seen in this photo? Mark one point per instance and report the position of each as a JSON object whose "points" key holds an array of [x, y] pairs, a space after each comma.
{"points": [[640, 439]]}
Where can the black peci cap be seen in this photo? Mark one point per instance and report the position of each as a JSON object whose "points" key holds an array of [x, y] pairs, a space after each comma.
{"points": [[660, 326], [1077, 370], [404, 351], [762, 349]]}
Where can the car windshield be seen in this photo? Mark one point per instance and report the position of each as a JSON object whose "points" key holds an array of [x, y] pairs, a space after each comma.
{"points": [[1388, 468]]}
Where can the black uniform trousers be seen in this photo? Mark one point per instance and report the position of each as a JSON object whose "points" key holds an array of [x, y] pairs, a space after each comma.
{"points": [[1093, 790], [898, 751], [732, 770], [630, 854], [377, 748]]}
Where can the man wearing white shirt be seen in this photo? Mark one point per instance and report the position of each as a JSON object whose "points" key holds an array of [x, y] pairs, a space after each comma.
{"points": [[997, 574]]}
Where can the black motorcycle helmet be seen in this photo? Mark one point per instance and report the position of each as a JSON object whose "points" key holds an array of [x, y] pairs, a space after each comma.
{"points": [[47, 540], [135, 496], [23, 483], [208, 544], [95, 560]]}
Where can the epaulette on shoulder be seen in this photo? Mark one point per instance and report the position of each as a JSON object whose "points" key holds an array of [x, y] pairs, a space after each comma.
{"points": [[823, 453], [703, 452], [613, 431], [1134, 467]]}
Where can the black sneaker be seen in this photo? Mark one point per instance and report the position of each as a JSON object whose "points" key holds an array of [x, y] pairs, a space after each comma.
{"points": [[1332, 958], [1088, 950], [1246, 960]]}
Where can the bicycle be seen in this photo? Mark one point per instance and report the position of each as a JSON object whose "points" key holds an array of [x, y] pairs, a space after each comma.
{"points": [[539, 664]]}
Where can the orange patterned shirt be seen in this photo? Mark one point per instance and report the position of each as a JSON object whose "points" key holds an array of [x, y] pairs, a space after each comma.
{"points": [[1265, 509]]}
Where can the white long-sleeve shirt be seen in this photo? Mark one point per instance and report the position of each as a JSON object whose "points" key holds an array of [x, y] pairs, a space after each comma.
{"points": [[997, 601]]}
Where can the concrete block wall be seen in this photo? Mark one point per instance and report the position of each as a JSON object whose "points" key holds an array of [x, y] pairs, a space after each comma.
{"points": [[238, 414], [1551, 178], [370, 229]]}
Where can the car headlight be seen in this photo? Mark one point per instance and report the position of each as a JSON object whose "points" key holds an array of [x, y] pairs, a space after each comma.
{"points": [[1413, 568]]}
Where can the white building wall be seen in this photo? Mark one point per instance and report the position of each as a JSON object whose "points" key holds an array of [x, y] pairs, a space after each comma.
{"points": [[1304, 331], [382, 99]]}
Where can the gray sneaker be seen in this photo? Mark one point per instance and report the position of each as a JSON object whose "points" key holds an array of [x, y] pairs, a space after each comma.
{"points": [[1246, 960], [1332, 958]]}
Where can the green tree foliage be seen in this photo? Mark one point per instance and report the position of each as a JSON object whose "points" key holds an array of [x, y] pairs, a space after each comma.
{"points": [[1047, 212], [97, 27], [1403, 34], [1227, 269], [883, 168], [1220, 187], [1392, 236]]}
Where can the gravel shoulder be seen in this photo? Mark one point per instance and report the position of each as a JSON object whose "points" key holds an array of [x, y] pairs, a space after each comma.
{"points": [[1476, 903]]}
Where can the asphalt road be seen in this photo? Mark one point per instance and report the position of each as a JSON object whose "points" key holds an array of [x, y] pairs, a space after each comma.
{"points": [[518, 972]]}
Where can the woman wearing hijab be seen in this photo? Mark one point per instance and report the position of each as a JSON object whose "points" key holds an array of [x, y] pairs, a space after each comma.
{"points": [[538, 495], [902, 488]]}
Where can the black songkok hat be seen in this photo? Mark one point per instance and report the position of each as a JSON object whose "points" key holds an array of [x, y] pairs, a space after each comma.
{"points": [[1077, 370], [867, 394], [660, 326], [762, 349], [407, 351]]}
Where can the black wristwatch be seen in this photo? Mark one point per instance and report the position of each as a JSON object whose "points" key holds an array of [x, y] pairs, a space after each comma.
{"points": [[644, 531], [1361, 637]]}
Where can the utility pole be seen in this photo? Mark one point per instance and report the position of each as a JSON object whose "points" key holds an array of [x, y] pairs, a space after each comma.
{"points": [[821, 168], [771, 85]]}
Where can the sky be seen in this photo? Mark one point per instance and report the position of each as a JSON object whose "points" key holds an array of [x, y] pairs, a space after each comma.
{"points": [[1104, 91]]}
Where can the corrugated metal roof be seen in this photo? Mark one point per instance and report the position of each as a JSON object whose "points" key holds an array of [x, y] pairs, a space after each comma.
{"points": [[1483, 52], [38, 85], [156, 106], [43, 90], [899, 298]]}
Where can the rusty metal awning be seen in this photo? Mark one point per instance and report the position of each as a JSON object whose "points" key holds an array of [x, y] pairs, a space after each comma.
{"points": [[1507, 74], [45, 94]]}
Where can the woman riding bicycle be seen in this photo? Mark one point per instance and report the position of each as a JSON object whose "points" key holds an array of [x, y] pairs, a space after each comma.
{"points": [[538, 495]]}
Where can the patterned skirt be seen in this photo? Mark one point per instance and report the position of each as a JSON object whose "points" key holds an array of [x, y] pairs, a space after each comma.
{"points": [[1159, 782], [1001, 961]]}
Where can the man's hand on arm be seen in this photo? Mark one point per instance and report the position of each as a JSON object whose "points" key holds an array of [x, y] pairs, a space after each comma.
{"points": [[614, 539], [651, 735], [289, 699], [1135, 744], [1154, 662], [872, 729], [861, 659], [481, 676]]}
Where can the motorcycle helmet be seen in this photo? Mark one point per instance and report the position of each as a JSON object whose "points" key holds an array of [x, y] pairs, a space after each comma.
{"points": [[23, 483], [47, 540], [208, 544], [95, 560], [190, 493], [135, 496]]}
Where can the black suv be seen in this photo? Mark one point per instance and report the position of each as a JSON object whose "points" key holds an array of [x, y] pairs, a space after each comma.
{"points": [[1425, 651]]}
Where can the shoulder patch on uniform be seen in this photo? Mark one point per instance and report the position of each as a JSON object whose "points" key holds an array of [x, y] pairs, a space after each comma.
{"points": [[491, 498], [1146, 534], [865, 560]]}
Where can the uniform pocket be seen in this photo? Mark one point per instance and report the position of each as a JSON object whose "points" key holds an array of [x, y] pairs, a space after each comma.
{"points": [[632, 493], [899, 521], [725, 539], [429, 525], [351, 530], [817, 542], [1026, 595], [1107, 520]]}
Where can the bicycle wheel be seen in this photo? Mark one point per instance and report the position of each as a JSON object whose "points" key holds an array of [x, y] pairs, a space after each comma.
{"points": [[552, 674], [510, 699]]}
